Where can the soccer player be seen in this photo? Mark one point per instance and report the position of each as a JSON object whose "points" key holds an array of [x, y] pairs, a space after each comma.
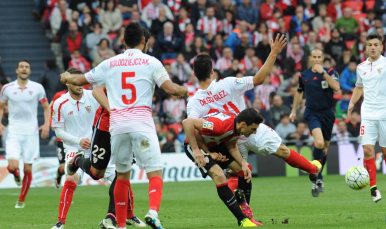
{"points": [[59, 145], [216, 128], [319, 85], [130, 79], [72, 118], [23, 97], [371, 83]]}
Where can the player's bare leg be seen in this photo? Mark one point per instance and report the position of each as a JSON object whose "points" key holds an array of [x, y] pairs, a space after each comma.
{"points": [[318, 154], [369, 164], [13, 168], [66, 199]]}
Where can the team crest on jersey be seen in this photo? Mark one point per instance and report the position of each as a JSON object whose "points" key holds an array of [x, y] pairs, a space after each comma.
{"points": [[240, 81], [88, 108], [53, 113], [379, 70], [30, 92], [208, 125], [95, 159]]}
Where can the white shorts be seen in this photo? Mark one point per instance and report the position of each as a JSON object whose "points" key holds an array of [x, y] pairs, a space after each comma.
{"points": [[371, 130], [144, 146], [70, 153], [265, 141], [26, 146]]}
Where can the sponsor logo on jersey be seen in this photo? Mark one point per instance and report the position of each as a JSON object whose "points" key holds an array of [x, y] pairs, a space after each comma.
{"points": [[315, 78], [240, 81], [211, 99], [364, 73], [208, 125], [15, 93], [379, 70], [88, 108], [70, 113]]}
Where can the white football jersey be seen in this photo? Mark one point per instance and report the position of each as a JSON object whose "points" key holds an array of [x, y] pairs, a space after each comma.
{"points": [[224, 95], [23, 106], [76, 117], [130, 80], [372, 77]]}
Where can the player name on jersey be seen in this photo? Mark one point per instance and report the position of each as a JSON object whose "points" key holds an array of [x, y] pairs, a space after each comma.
{"points": [[128, 62], [211, 99]]}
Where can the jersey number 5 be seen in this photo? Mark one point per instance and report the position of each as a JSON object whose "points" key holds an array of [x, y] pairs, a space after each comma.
{"points": [[128, 86]]}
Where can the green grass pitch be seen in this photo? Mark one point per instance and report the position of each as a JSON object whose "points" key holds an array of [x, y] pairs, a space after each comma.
{"points": [[196, 205]]}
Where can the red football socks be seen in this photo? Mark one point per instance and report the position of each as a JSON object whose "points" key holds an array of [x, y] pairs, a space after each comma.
{"points": [[233, 183], [155, 193], [15, 172], [130, 206], [121, 201], [66, 200], [298, 161], [25, 187], [372, 169]]}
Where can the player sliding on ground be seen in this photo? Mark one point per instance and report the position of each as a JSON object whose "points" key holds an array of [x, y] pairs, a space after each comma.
{"points": [[216, 128], [130, 79], [371, 83], [319, 85]]}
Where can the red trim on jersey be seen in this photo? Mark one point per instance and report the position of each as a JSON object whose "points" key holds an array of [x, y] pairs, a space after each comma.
{"points": [[43, 100], [102, 119], [221, 185], [133, 108], [225, 107], [2, 92], [361, 63], [77, 104], [330, 70], [233, 106], [60, 106]]}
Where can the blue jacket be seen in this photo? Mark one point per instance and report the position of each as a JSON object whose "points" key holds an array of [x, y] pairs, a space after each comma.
{"points": [[348, 79], [250, 14], [233, 40]]}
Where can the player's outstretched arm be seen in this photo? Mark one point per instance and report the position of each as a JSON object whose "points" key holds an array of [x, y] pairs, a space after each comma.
{"points": [[45, 128], [76, 79], [175, 89], [190, 125], [2, 106], [276, 48], [101, 97], [356, 95], [234, 151], [297, 99]]}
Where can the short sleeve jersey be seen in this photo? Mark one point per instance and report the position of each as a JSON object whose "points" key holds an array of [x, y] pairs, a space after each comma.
{"points": [[319, 95], [130, 80], [372, 77], [75, 116], [219, 127], [23, 106], [225, 95]]}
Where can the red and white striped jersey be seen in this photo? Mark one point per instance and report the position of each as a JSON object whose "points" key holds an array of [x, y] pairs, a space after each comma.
{"points": [[182, 24], [219, 127], [192, 88], [272, 25], [23, 106], [224, 95], [209, 26], [303, 38], [223, 64], [75, 116], [258, 37], [227, 26], [263, 91], [174, 5], [130, 79]]}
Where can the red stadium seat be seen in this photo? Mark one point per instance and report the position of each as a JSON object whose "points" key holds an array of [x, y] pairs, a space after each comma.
{"points": [[287, 20], [356, 6], [359, 17], [370, 5], [176, 127], [112, 36], [125, 22], [350, 44], [169, 61]]}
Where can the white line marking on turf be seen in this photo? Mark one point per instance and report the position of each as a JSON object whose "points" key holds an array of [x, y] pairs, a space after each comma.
{"points": [[9, 194], [37, 225]]}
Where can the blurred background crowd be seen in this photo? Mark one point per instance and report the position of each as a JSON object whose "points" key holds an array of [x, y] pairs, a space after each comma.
{"points": [[235, 33]]}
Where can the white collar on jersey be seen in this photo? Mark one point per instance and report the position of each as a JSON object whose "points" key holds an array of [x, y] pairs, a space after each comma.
{"points": [[28, 83], [210, 85], [380, 59], [81, 100], [133, 51]]}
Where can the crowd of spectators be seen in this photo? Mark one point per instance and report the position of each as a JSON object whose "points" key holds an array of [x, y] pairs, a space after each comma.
{"points": [[236, 34]]}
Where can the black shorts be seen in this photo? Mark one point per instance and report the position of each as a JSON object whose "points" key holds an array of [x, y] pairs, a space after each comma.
{"points": [[60, 152], [321, 119], [208, 159], [101, 149]]}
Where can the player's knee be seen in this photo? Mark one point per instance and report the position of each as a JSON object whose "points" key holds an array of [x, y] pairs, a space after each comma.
{"points": [[319, 143], [368, 152], [70, 178], [283, 152], [27, 170], [218, 176], [97, 174]]}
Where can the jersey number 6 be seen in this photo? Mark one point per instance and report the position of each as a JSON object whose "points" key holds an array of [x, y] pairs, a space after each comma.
{"points": [[128, 86]]}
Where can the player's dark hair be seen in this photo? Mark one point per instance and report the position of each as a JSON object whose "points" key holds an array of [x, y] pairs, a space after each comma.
{"points": [[23, 61], [146, 34], [249, 116], [202, 67], [133, 34], [74, 71], [51, 64], [374, 36]]}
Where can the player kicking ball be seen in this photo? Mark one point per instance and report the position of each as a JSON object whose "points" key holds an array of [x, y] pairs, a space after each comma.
{"points": [[23, 97], [72, 118], [371, 83], [213, 129]]}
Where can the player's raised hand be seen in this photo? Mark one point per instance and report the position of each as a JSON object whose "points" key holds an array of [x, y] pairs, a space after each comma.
{"points": [[349, 111], [219, 157], [318, 68], [292, 116], [247, 172], [45, 131], [1, 130], [199, 158], [279, 43], [63, 77], [85, 143]]}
